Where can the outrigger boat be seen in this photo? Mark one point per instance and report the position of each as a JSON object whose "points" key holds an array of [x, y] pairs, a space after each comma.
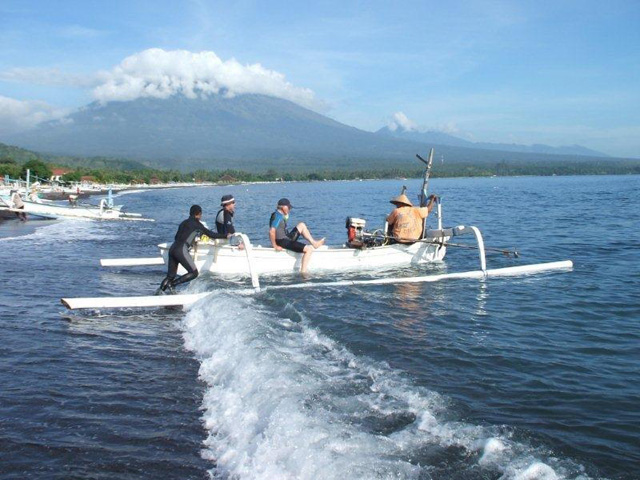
{"points": [[46, 209], [364, 250]]}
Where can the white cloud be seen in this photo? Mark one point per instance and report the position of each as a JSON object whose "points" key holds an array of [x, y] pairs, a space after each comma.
{"points": [[400, 120], [159, 73], [18, 115]]}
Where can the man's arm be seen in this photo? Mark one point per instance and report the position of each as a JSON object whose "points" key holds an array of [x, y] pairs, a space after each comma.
{"points": [[210, 233], [272, 237], [425, 211]]}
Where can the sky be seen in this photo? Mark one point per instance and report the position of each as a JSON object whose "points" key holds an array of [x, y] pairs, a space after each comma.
{"points": [[552, 72]]}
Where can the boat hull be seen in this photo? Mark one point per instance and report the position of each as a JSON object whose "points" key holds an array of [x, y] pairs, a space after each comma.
{"points": [[48, 210], [230, 260]]}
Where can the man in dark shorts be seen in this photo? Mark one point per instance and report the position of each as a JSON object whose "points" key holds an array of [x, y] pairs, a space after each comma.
{"points": [[179, 251], [281, 238]]}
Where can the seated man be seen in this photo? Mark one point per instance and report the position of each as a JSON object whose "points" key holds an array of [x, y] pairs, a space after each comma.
{"points": [[281, 238], [224, 220], [406, 221]]}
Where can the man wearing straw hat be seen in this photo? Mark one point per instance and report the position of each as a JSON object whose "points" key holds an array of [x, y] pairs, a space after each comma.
{"points": [[406, 221]]}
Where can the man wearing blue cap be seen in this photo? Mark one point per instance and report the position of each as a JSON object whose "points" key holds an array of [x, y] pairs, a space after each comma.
{"points": [[281, 238]]}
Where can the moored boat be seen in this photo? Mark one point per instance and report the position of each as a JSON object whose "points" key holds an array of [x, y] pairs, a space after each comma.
{"points": [[103, 211]]}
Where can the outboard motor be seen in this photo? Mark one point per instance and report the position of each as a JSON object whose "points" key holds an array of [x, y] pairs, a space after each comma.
{"points": [[355, 230]]}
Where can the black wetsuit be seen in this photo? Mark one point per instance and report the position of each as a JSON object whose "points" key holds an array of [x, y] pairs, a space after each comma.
{"points": [[224, 222], [179, 251]]}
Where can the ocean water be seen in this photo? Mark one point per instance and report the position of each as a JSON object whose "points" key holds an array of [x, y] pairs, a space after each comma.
{"points": [[524, 378]]}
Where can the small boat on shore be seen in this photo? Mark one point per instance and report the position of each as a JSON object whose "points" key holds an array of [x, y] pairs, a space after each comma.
{"points": [[45, 209]]}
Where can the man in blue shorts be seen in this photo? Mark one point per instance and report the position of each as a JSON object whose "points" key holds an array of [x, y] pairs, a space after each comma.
{"points": [[281, 238]]}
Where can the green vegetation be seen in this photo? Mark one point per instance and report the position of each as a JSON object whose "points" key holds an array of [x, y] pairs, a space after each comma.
{"points": [[8, 166], [14, 162]]}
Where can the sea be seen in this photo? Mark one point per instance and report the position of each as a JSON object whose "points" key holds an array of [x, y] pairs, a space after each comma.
{"points": [[521, 378]]}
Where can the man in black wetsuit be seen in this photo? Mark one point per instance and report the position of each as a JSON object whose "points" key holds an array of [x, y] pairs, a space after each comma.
{"points": [[224, 217], [179, 251], [224, 220]]}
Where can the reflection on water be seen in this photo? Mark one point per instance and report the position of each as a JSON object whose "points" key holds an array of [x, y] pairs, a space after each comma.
{"points": [[408, 296]]}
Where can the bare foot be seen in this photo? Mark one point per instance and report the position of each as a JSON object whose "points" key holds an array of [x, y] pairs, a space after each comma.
{"points": [[319, 243]]}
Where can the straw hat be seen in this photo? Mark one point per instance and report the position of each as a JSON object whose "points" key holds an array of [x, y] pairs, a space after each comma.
{"points": [[401, 199]]}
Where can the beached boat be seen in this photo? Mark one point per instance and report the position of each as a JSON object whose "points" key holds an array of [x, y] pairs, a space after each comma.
{"points": [[43, 209]]}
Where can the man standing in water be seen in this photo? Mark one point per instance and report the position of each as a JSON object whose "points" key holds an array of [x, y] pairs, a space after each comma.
{"points": [[281, 238], [179, 251], [19, 205]]}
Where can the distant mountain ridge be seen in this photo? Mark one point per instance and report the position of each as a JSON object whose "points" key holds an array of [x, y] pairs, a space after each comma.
{"points": [[193, 132], [434, 137], [251, 132]]}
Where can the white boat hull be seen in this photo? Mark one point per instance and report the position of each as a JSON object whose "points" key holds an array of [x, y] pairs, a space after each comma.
{"points": [[48, 210], [226, 259]]}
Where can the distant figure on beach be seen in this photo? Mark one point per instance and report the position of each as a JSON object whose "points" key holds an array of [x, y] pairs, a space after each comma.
{"points": [[33, 196], [186, 235], [224, 220], [406, 221], [18, 204], [281, 238]]}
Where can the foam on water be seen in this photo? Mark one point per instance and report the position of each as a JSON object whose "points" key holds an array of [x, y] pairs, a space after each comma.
{"points": [[284, 401], [64, 229]]}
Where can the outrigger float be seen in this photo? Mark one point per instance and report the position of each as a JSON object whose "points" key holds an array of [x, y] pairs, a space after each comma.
{"points": [[364, 250]]}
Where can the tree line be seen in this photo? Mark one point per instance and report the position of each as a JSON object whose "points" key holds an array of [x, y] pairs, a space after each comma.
{"points": [[140, 174]]}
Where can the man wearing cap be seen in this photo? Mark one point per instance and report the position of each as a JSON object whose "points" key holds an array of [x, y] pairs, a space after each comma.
{"points": [[224, 220], [406, 221], [224, 217], [281, 238]]}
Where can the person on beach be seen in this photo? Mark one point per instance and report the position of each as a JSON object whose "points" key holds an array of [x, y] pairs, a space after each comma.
{"points": [[281, 238], [18, 204], [186, 235], [406, 221]]}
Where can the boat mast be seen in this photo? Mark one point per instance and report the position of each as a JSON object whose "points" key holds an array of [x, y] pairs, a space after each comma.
{"points": [[425, 185]]}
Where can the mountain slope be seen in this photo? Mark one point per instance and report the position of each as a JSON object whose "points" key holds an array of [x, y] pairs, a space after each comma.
{"points": [[247, 132], [441, 138], [197, 132]]}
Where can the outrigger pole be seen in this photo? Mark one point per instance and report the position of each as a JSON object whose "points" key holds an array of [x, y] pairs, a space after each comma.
{"points": [[190, 299]]}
